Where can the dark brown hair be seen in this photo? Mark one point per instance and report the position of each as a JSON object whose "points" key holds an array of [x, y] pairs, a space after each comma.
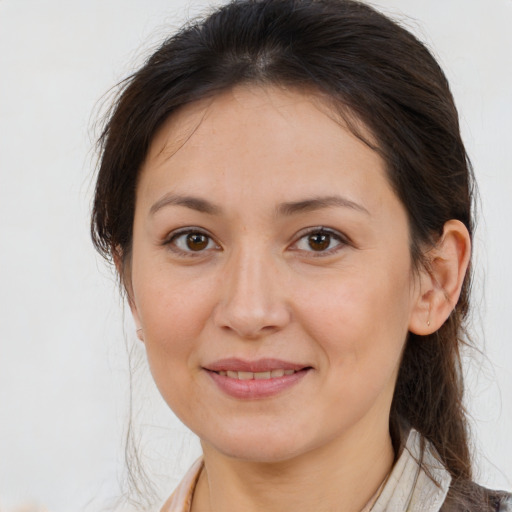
{"points": [[372, 70]]}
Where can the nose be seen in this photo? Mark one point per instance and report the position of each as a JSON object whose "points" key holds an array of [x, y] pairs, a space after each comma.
{"points": [[252, 302]]}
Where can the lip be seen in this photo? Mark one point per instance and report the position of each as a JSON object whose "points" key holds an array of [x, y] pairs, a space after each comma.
{"points": [[260, 365], [255, 388]]}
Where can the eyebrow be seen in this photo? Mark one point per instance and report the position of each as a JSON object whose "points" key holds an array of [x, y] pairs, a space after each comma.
{"points": [[194, 203], [284, 209], [319, 203]]}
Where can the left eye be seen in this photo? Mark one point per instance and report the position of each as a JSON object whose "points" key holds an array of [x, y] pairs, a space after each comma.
{"points": [[192, 241], [319, 241]]}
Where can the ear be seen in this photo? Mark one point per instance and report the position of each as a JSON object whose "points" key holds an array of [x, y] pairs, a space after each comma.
{"points": [[441, 281], [136, 319], [123, 271]]}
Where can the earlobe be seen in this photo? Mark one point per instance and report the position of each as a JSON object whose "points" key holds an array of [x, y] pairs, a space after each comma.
{"points": [[135, 315], [441, 282], [136, 318], [125, 279]]}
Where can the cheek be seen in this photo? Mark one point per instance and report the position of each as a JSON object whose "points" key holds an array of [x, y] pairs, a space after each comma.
{"points": [[360, 320], [361, 349], [172, 313], [169, 303], [172, 322]]}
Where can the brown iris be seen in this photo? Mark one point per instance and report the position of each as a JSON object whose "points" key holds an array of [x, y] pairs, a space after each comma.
{"points": [[197, 241], [319, 241]]}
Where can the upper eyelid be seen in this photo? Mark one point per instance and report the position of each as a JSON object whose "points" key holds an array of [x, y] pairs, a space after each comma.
{"points": [[183, 231], [343, 241], [173, 235], [321, 229]]}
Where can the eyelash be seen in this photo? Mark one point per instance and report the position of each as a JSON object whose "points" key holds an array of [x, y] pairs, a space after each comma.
{"points": [[171, 242], [334, 235]]}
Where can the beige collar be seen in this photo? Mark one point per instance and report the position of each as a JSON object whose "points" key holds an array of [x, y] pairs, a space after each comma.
{"points": [[418, 481]]}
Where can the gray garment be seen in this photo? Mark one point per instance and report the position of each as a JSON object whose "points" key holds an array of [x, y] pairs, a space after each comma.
{"points": [[506, 503]]}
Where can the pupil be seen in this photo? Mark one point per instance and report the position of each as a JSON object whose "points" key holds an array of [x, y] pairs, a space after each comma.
{"points": [[319, 241], [197, 241]]}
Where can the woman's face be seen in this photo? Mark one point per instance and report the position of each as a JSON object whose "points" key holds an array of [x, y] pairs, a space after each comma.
{"points": [[270, 274]]}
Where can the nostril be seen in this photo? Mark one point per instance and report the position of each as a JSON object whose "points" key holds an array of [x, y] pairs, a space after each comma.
{"points": [[250, 322]]}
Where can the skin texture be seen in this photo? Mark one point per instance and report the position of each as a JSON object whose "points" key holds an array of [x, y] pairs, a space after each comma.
{"points": [[257, 288]]}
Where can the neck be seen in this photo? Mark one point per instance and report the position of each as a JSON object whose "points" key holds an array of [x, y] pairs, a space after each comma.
{"points": [[342, 474]]}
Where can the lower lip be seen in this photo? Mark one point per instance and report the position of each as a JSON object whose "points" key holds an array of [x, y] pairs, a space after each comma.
{"points": [[256, 388]]}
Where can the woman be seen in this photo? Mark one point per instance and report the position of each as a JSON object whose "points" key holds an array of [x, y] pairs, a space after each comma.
{"points": [[287, 199]]}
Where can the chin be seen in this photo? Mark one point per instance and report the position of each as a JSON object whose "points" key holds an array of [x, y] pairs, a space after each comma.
{"points": [[260, 445], [264, 452]]}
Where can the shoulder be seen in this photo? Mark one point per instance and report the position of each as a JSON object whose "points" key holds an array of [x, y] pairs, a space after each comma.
{"points": [[476, 498], [501, 500]]}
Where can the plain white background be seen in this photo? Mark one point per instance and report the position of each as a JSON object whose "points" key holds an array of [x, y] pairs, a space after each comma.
{"points": [[63, 363]]}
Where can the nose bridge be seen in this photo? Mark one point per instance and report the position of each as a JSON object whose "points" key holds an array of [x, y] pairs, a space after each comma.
{"points": [[252, 302], [248, 269]]}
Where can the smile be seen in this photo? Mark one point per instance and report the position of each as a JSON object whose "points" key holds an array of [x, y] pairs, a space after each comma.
{"points": [[273, 374], [251, 380]]}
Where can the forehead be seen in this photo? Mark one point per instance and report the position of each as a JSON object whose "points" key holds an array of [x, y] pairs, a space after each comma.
{"points": [[250, 105], [266, 139]]}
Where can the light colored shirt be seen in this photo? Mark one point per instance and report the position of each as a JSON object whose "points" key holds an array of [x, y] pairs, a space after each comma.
{"points": [[417, 483]]}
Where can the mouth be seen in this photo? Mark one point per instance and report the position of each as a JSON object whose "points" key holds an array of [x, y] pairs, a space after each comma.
{"points": [[272, 374], [255, 379]]}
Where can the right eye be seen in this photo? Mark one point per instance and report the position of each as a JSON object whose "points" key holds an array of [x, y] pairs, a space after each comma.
{"points": [[191, 241]]}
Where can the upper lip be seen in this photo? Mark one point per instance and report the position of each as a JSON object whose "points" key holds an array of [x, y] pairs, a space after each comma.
{"points": [[260, 365]]}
